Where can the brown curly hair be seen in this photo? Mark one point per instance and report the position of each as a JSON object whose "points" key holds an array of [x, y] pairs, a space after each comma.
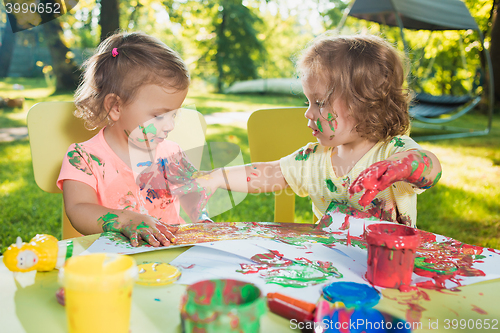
{"points": [[141, 60], [367, 73]]}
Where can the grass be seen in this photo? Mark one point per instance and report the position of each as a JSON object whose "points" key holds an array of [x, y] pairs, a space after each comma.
{"points": [[463, 205]]}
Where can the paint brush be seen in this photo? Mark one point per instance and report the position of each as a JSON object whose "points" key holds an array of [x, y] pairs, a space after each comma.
{"points": [[290, 308]]}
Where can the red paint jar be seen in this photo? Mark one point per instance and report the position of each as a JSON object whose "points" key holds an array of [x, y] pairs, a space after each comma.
{"points": [[391, 254]]}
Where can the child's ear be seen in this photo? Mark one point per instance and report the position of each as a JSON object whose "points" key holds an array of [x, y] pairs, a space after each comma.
{"points": [[112, 104]]}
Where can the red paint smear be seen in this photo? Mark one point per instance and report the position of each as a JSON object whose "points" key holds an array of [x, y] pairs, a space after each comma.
{"points": [[204, 292], [404, 288], [493, 250], [478, 310], [348, 238], [448, 254], [188, 267], [455, 312], [251, 268], [346, 224], [411, 300]]}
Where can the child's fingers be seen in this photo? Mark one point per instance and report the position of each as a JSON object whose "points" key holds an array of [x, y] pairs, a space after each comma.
{"points": [[148, 236], [367, 197], [356, 187], [173, 229], [134, 238], [161, 238], [167, 233]]}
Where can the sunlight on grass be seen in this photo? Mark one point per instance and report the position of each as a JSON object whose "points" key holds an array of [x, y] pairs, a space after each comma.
{"points": [[464, 204], [462, 170], [11, 186], [26, 209]]}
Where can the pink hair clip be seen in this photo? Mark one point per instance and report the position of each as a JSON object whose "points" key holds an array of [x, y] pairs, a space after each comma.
{"points": [[115, 52]]}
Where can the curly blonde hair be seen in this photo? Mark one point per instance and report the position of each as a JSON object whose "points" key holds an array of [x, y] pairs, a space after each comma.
{"points": [[368, 74], [141, 60]]}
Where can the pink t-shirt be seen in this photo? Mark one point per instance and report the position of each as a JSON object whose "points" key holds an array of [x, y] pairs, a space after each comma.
{"points": [[143, 190]]}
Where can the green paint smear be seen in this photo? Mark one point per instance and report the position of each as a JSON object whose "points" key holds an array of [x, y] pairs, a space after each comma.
{"points": [[81, 160], [420, 263], [320, 128], [303, 155], [119, 239], [142, 225], [398, 142], [299, 276], [108, 217], [149, 129], [97, 159], [354, 243], [298, 241], [331, 186], [222, 306], [332, 127], [76, 160]]}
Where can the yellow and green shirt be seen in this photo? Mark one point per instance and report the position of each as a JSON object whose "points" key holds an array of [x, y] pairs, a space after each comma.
{"points": [[309, 172]]}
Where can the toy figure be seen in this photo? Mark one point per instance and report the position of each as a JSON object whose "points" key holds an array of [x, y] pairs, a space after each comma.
{"points": [[43, 253]]}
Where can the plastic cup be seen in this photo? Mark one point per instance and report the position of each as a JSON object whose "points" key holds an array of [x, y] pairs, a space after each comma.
{"points": [[98, 291], [218, 306], [391, 254]]}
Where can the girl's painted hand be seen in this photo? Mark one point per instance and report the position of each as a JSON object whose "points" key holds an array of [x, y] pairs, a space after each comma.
{"points": [[147, 228], [376, 178], [194, 197], [179, 171], [412, 167]]}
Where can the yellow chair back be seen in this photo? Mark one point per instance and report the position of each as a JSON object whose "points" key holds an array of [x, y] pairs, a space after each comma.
{"points": [[273, 134], [52, 128]]}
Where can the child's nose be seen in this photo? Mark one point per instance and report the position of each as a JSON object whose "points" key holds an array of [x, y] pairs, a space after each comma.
{"points": [[309, 114], [168, 126]]}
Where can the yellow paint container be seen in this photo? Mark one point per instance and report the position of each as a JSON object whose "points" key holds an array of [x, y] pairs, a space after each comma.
{"points": [[98, 290]]}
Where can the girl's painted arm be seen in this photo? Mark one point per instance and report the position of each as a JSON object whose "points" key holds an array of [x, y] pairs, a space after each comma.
{"points": [[89, 217], [195, 190], [251, 178], [418, 167]]}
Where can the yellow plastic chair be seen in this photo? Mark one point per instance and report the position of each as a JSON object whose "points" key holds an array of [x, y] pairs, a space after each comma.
{"points": [[52, 127], [273, 134]]}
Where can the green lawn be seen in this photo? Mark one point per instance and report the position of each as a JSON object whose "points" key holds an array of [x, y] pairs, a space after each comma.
{"points": [[464, 205]]}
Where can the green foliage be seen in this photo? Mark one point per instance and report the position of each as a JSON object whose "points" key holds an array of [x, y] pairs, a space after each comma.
{"points": [[224, 33], [283, 38], [442, 62]]}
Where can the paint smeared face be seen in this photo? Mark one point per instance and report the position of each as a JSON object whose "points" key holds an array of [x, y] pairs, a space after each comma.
{"points": [[149, 118], [329, 119]]}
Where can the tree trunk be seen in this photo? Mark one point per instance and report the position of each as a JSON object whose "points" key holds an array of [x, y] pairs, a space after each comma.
{"points": [[7, 48], [495, 53], [220, 51], [109, 19], [66, 71]]}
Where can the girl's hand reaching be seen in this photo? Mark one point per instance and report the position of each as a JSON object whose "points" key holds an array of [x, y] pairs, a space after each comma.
{"points": [[415, 167], [194, 196], [137, 226]]}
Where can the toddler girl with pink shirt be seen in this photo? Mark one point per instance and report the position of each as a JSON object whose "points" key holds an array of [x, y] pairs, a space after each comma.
{"points": [[134, 86]]}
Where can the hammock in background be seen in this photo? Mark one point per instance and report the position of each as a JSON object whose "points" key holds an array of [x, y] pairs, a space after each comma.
{"points": [[430, 111]]}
